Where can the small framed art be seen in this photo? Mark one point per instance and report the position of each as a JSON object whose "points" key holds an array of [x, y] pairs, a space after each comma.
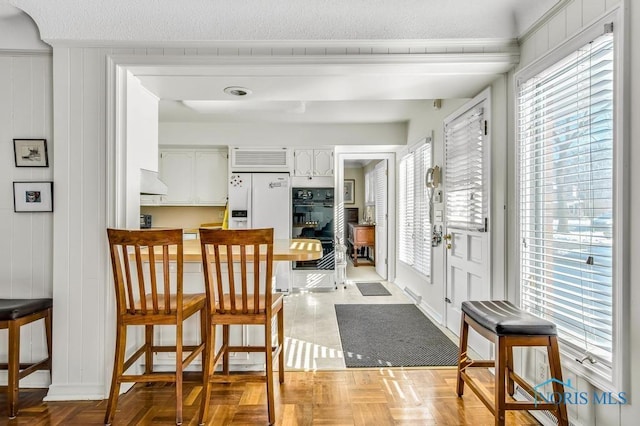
{"points": [[349, 191], [32, 197], [30, 152]]}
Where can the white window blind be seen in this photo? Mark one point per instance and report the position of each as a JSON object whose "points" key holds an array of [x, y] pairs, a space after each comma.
{"points": [[415, 225], [466, 204], [565, 137], [406, 210]]}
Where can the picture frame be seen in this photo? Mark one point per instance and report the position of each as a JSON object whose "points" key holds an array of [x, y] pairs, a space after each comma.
{"points": [[31, 197], [349, 191], [30, 153]]}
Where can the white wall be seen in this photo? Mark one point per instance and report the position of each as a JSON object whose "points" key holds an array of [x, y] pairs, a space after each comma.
{"points": [[142, 142], [25, 238], [80, 257], [432, 293], [274, 134]]}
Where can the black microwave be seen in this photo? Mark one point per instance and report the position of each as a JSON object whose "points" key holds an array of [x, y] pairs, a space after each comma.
{"points": [[145, 221]]}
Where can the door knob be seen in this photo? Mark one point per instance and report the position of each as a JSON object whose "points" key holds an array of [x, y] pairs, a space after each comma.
{"points": [[447, 237], [448, 246]]}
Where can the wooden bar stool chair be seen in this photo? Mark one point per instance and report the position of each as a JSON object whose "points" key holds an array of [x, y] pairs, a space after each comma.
{"points": [[144, 299], [14, 313], [507, 326], [234, 297]]}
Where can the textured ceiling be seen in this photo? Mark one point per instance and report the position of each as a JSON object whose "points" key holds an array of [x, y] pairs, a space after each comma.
{"points": [[229, 20]]}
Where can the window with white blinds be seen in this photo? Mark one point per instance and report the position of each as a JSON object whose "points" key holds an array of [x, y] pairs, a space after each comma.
{"points": [[465, 169], [565, 137], [414, 222]]}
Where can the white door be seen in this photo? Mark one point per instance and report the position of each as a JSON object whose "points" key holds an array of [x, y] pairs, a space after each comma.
{"points": [[380, 173], [467, 238]]}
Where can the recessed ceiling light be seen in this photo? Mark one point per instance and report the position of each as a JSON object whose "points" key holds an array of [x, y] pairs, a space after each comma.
{"points": [[237, 91]]}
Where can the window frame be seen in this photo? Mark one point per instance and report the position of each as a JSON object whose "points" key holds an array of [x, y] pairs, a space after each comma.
{"points": [[618, 378]]}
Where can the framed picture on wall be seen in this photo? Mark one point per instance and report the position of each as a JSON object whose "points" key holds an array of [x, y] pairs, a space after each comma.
{"points": [[349, 191], [30, 152], [32, 197]]}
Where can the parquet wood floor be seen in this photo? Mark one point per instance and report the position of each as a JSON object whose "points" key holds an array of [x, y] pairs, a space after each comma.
{"points": [[352, 397]]}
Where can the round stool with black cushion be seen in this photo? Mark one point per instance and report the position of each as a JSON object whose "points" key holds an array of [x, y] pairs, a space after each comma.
{"points": [[14, 313]]}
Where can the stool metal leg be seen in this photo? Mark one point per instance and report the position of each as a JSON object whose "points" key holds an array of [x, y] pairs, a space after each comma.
{"points": [[501, 358], [462, 354]]}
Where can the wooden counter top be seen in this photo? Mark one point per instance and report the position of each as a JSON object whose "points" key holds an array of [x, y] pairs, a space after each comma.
{"points": [[294, 249]]}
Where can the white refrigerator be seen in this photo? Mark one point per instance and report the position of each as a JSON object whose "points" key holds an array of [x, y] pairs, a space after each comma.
{"points": [[263, 200]]}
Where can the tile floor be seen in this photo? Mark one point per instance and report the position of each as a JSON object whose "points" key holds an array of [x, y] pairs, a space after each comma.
{"points": [[312, 340]]}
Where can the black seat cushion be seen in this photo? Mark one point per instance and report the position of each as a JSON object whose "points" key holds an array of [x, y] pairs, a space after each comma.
{"points": [[11, 309], [506, 319]]}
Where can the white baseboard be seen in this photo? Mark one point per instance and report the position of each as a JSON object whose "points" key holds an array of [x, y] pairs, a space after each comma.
{"points": [[78, 392], [430, 312]]}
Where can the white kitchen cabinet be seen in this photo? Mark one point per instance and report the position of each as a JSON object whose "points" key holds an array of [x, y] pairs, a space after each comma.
{"points": [[194, 177], [313, 162], [177, 172], [211, 177]]}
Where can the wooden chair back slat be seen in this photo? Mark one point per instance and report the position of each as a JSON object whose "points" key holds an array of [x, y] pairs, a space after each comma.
{"points": [[154, 281], [150, 295], [247, 247], [243, 275], [256, 279], [167, 280]]}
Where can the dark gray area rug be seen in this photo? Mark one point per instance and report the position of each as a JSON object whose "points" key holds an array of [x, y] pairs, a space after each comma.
{"points": [[373, 289], [392, 335]]}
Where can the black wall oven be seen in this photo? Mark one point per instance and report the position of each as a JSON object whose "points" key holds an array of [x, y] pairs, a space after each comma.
{"points": [[312, 216]]}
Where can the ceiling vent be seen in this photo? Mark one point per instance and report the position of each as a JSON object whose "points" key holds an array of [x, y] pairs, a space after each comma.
{"points": [[260, 160]]}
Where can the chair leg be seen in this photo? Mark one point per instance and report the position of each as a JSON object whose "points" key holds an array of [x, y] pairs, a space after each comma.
{"points": [[462, 354], [179, 367], [556, 373], [48, 329], [511, 388], [269, 365], [281, 345], [14, 368], [118, 366], [208, 367], [148, 353], [500, 397], [225, 343]]}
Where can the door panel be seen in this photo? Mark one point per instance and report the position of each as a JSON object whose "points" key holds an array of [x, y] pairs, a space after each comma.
{"points": [[380, 173], [466, 187], [467, 279]]}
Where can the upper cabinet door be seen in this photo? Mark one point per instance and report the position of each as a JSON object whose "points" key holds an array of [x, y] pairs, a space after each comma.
{"points": [[303, 164], [323, 162], [211, 177], [313, 162], [176, 170]]}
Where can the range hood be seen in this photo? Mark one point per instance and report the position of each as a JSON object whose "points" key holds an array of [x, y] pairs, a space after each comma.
{"points": [[150, 183]]}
